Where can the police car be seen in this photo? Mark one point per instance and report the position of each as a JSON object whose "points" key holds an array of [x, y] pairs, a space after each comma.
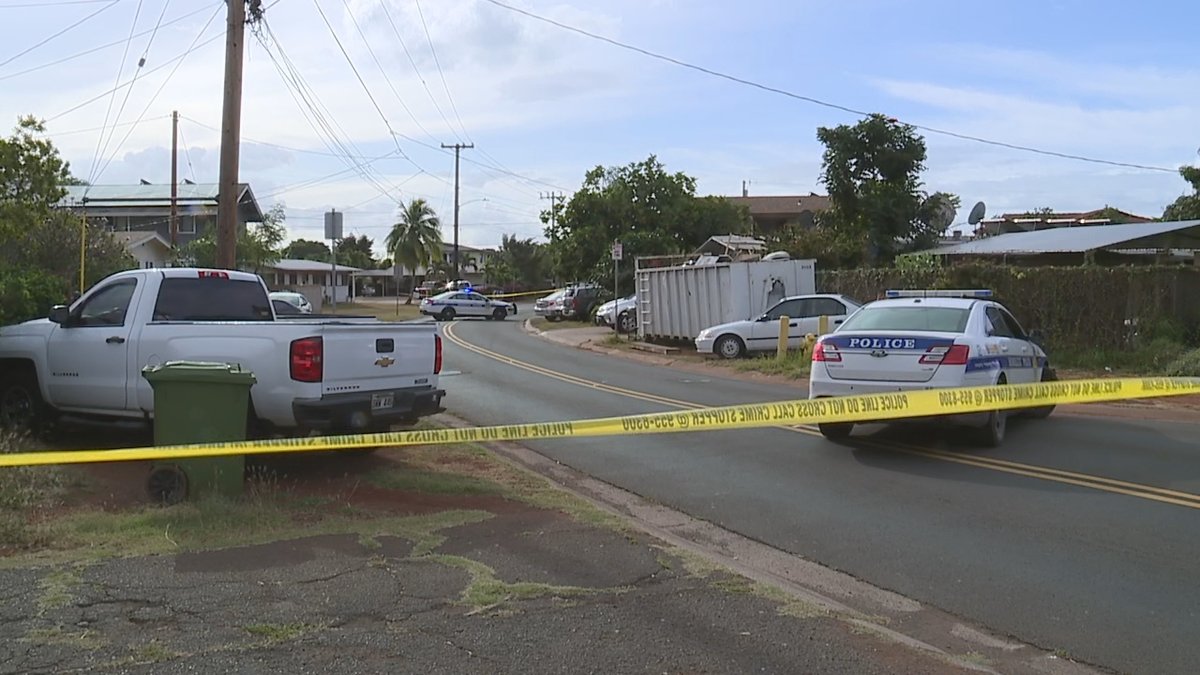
{"points": [[452, 304], [928, 340]]}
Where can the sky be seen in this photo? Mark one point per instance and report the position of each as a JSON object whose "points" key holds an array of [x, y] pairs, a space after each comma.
{"points": [[346, 103]]}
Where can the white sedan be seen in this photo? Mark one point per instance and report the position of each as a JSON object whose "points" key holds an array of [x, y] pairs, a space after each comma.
{"points": [[451, 304], [929, 340], [296, 300], [761, 333]]}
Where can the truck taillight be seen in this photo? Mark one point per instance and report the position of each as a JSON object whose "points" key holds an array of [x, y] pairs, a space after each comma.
{"points": [[821, 354], [306, 358], [437, 354], [954, 355]]}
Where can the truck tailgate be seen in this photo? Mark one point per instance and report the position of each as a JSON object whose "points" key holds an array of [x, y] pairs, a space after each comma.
{"points": [[374, 357]]}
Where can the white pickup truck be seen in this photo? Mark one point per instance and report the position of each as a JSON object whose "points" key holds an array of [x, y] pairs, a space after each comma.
{"points": [[321, 375]]}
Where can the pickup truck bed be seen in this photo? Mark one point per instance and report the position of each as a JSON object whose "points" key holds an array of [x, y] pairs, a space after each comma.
{"points": [[312, 374]]}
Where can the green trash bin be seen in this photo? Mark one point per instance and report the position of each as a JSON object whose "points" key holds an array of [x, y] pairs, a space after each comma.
{"points": [[198, 402]]}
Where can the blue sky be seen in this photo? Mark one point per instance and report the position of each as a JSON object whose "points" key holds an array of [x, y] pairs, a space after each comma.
{"points": [[1106, 80]]}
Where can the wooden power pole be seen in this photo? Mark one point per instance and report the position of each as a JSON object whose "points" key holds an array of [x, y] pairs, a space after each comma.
{"points": [[231, 136], [175, 178], [458, 147]]}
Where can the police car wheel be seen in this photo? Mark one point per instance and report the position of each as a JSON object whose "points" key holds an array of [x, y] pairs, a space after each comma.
{"points": [[991, 435], [730, 347], [500, 314], [836, 431], [447, 314], [1048, 375]]}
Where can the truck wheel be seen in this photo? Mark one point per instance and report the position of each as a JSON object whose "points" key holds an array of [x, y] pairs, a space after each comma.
{"points": [[21, 404], [167, 485], [447, 314], [627, 322], [730, 347], [500, 314]]}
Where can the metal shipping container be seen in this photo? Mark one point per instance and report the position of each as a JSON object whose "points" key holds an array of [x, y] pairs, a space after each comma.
{"points": [[678, 302]]}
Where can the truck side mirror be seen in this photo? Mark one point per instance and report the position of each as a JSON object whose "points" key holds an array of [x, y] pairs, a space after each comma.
{"points": [[60, 314]]}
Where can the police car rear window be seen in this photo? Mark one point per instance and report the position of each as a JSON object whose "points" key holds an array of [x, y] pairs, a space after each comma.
{"points": [[937, 319]]}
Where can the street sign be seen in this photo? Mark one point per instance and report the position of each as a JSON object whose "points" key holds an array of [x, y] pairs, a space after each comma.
{"points": [[617, 250], [333, 224]]}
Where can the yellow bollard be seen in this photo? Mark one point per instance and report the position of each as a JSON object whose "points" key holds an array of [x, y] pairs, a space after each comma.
{"points": [[783, 337], [809, 341], [823, 325]]}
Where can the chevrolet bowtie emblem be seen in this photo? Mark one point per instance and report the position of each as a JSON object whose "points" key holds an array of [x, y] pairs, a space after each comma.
{"points": [[384, 361]]}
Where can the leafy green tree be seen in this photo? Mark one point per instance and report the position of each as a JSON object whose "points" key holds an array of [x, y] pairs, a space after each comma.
{"points": [[1186, 207], [415, 240], [356, 252], [258, 245], [33, 176], [306, 249], [650, 211], [830, 247], [520, 261], [872, 172]]}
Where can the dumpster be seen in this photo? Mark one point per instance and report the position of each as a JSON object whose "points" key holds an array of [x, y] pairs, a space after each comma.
{"points": [[198, 402]]}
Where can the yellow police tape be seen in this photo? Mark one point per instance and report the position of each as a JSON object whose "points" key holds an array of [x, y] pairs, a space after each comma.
{"points": [[860, 408], [522, 294]]}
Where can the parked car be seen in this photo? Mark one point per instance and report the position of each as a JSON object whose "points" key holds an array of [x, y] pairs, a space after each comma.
{"points": [[620, 314], [297, 300], [326, 375], [451, 304], [550, 306], [736, 339]]}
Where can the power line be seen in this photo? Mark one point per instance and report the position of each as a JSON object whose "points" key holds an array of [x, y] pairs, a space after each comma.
{"points": [[187, 154], [120, 69], [162, 86], [816, 101], [101, 47], [115, 124], [68, 28], [441, 73], [387, 12], [360, 79], [164, 64], [53, 3], [382, 70]]}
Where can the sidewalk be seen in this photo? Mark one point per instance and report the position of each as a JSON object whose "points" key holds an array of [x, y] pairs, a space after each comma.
{"points": [[1183, 409]]}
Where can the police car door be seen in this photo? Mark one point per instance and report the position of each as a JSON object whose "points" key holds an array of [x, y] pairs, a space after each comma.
{"points": [[1005, 341]]}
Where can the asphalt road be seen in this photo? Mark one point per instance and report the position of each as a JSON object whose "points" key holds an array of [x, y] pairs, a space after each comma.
{"points": [[1107, 576]]}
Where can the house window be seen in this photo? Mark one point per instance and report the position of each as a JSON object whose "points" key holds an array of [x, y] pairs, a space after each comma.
{"points": [[187, 225]]}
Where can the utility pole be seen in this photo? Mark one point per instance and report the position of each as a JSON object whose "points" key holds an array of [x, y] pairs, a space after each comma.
{"points": [[555, 198], [458, 147], [175, 178], [231, 129]]}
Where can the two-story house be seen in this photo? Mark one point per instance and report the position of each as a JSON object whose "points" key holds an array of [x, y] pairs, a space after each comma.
{"points": [[147, 208]]}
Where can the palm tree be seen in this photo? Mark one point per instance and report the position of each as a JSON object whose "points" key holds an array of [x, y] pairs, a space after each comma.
{"points": [[416, 239]]}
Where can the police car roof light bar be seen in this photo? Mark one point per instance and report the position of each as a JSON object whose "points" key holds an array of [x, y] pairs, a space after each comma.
{"points": [[973, 293]]}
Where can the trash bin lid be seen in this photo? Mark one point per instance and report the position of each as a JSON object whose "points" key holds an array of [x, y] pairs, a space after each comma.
{"points": [[198, 371]]}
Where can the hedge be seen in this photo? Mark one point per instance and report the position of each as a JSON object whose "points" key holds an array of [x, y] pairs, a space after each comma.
{"points": [[1076, 307]]}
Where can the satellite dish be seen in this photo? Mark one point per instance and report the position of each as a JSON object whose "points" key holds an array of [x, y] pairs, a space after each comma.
{"points": [[977, 213]]}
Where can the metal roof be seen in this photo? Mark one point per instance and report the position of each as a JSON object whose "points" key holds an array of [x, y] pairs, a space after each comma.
{"points": [[157, 195], [1173, 234], [295, 265]]}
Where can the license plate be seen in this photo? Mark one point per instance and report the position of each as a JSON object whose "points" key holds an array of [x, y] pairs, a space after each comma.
{"points": [[382, 401]]}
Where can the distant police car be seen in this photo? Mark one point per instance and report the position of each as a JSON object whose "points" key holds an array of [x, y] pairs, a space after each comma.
{"points": [[451, 304], [928, 340]]}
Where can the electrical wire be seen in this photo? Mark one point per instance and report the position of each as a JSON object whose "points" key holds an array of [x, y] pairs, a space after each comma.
{"points": [[85, 19], [93, 50], [164, 64], [52, 3], [816, 101], [100, 142], [441, 73], [187, 153], [403, 45], [93, 129], [162, 86]]}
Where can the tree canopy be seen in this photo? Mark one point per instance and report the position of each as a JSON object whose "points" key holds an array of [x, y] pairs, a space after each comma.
{"points": [[872, 171], [650, 211], [518, 263], [258, 245], [415, 240], [1186, 207]]}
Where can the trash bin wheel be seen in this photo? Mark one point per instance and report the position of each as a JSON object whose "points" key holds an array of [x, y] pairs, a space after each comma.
{"points": [[167, 484]]}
